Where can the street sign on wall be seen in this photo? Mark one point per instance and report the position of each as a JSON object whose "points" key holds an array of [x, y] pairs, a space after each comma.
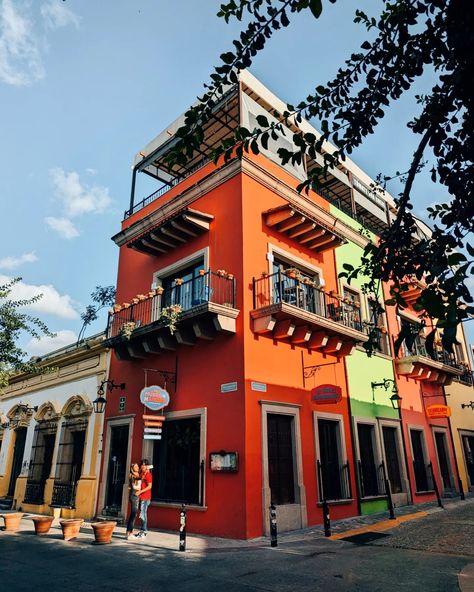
{"points": [[326, 394], [438, 411]]}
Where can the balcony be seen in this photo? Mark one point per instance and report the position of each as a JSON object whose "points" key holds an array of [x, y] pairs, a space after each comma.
{"points": [[417, 363], [294, 310], [201, 308]]}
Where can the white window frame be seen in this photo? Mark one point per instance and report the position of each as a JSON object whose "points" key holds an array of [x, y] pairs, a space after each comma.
{"points": [[304, 264], [180, 264], [342, 452]]}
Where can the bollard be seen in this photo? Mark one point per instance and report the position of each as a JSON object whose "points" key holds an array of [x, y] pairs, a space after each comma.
{"points": [[461, 489], [327, 519], [273, 526], [182, 529]]}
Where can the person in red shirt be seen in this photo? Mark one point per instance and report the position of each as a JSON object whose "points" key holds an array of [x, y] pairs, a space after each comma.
{"points": [[145, 496]]}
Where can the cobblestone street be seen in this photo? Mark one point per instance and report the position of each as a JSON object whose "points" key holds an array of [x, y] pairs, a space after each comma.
{"points": [[434, 552]]}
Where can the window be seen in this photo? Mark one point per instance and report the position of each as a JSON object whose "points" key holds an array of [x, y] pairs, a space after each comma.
{"points": [[422, 481], [40, 461], [295, 285], [280, 458], [351, 308], [377, 318], [333, 476], [186, 286], [370, 471], [392, 457], [69, 464], [179, 470]]}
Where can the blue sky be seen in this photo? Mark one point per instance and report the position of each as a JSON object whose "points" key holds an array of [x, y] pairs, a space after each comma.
{"points": [[84, 85]]}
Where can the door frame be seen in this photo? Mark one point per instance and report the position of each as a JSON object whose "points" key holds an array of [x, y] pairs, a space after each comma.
{"points": [[111, 423], [293, 410], [441, 430], [394, 423]]}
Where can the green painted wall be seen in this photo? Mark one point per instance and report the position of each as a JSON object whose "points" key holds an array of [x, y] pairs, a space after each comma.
{"points": [[379, 505]]}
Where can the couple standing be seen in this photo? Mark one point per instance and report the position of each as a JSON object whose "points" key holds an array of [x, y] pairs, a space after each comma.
{"points": [[139, 484]]}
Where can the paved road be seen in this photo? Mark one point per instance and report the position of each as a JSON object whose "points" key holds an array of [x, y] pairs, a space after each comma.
{"points": [[426, 554]]}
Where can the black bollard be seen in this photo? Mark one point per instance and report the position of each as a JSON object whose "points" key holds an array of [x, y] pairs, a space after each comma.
{"points": [[182, 529], [273, 526], [327, 519]]}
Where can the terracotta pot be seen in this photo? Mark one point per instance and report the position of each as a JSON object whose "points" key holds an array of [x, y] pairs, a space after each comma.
{"points": [[71, 528], [103, 531], [12, 520], [42, 524]]}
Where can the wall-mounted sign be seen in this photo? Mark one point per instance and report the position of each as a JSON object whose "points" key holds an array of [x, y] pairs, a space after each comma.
{"points": [[228, 387], [152, 437], [224, 462], [438, 411], [260, 387], [154, 397], [326, 394], [122, 404]]}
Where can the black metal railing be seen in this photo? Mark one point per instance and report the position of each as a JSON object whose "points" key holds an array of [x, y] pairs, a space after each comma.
{"points": [[371, 479], [34, 492], [334, 481], [467, 378], [165, 188], [218, 288], [300, 291], [438, 354], [64, 495], [423, 476]]}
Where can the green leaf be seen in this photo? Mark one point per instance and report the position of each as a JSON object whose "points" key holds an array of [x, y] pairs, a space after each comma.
{"points": [[262, 121]]}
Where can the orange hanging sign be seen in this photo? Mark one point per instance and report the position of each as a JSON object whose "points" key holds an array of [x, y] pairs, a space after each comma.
{"points": [[438, 411]]}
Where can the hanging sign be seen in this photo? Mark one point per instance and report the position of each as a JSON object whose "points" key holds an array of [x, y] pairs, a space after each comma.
{"points": [[152, 437], [154, 397], [326, 394], [438, 411]]}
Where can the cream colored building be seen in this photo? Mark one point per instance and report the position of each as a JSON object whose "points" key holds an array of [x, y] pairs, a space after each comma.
{"points": [[50, 438], [460, 398]]}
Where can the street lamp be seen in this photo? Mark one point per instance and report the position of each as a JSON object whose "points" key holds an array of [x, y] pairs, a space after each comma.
{"points": [[100, 403], [395, 399], [470, 404]]}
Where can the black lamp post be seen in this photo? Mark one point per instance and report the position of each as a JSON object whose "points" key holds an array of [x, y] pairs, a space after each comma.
{"points": [[395, 399], [100, 403]]}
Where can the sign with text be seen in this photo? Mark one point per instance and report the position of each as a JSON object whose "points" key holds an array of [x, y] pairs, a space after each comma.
{"points": [[154, 397], [326, 394], [224, 462], [438, 411]]}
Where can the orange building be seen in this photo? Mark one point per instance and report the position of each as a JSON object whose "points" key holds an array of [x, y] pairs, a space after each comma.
{"points": [[229, 303]]}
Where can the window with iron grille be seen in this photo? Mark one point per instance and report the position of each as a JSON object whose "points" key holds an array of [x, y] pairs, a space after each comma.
{"points": [[40, 461], [69, 464]]}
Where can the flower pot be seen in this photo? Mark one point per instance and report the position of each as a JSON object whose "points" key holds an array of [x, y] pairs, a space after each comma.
{"points": [[12, 520], [103, 531], [71, 528], [42, 524]]}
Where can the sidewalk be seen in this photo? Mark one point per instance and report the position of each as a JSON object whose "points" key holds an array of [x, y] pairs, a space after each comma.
{"points": [[201, 543]]}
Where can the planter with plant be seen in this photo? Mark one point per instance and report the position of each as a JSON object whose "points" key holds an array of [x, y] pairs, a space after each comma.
{"points": [[170, 316], [127, 329]]}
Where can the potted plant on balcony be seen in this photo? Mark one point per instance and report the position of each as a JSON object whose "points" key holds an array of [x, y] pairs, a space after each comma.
{"points": [[159, 291], [12, 520], [103, 531], [202, 272], [71, 528], [293, 273], [179, 281], [170, 316], [42, 524], [127, 329]]}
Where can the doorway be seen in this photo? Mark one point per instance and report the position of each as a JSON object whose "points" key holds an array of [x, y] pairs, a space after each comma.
{"points": [[443, 460], [18, 452], [117, 469], [468, 449]]}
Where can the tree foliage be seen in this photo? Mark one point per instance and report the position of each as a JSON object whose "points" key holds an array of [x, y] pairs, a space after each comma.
{"points": [[102, 296], [407, 38], [13, 322]]}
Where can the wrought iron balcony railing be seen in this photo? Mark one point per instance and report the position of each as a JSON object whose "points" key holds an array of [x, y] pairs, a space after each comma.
{"points": [[438, 354], [210, 287], [301, 292], [64, 495], [34, 492], [371, 479]]}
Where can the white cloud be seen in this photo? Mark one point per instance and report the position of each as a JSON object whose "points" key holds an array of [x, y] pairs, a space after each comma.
{"points": [[63, 226], [52, 302], [14, 262], [76, 198], [56, 15], [39, 347], [20, 59], [90, 171]]}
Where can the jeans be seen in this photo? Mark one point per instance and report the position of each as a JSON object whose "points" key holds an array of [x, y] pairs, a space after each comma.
{"points": [[143, 513], [134, 501]]}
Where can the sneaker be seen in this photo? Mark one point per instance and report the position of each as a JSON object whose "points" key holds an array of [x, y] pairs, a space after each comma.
{"points": [[140, 535]]}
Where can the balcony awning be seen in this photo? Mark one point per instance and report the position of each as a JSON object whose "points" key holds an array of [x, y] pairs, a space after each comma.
{"points": [[303, 227], [172, 232]]}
